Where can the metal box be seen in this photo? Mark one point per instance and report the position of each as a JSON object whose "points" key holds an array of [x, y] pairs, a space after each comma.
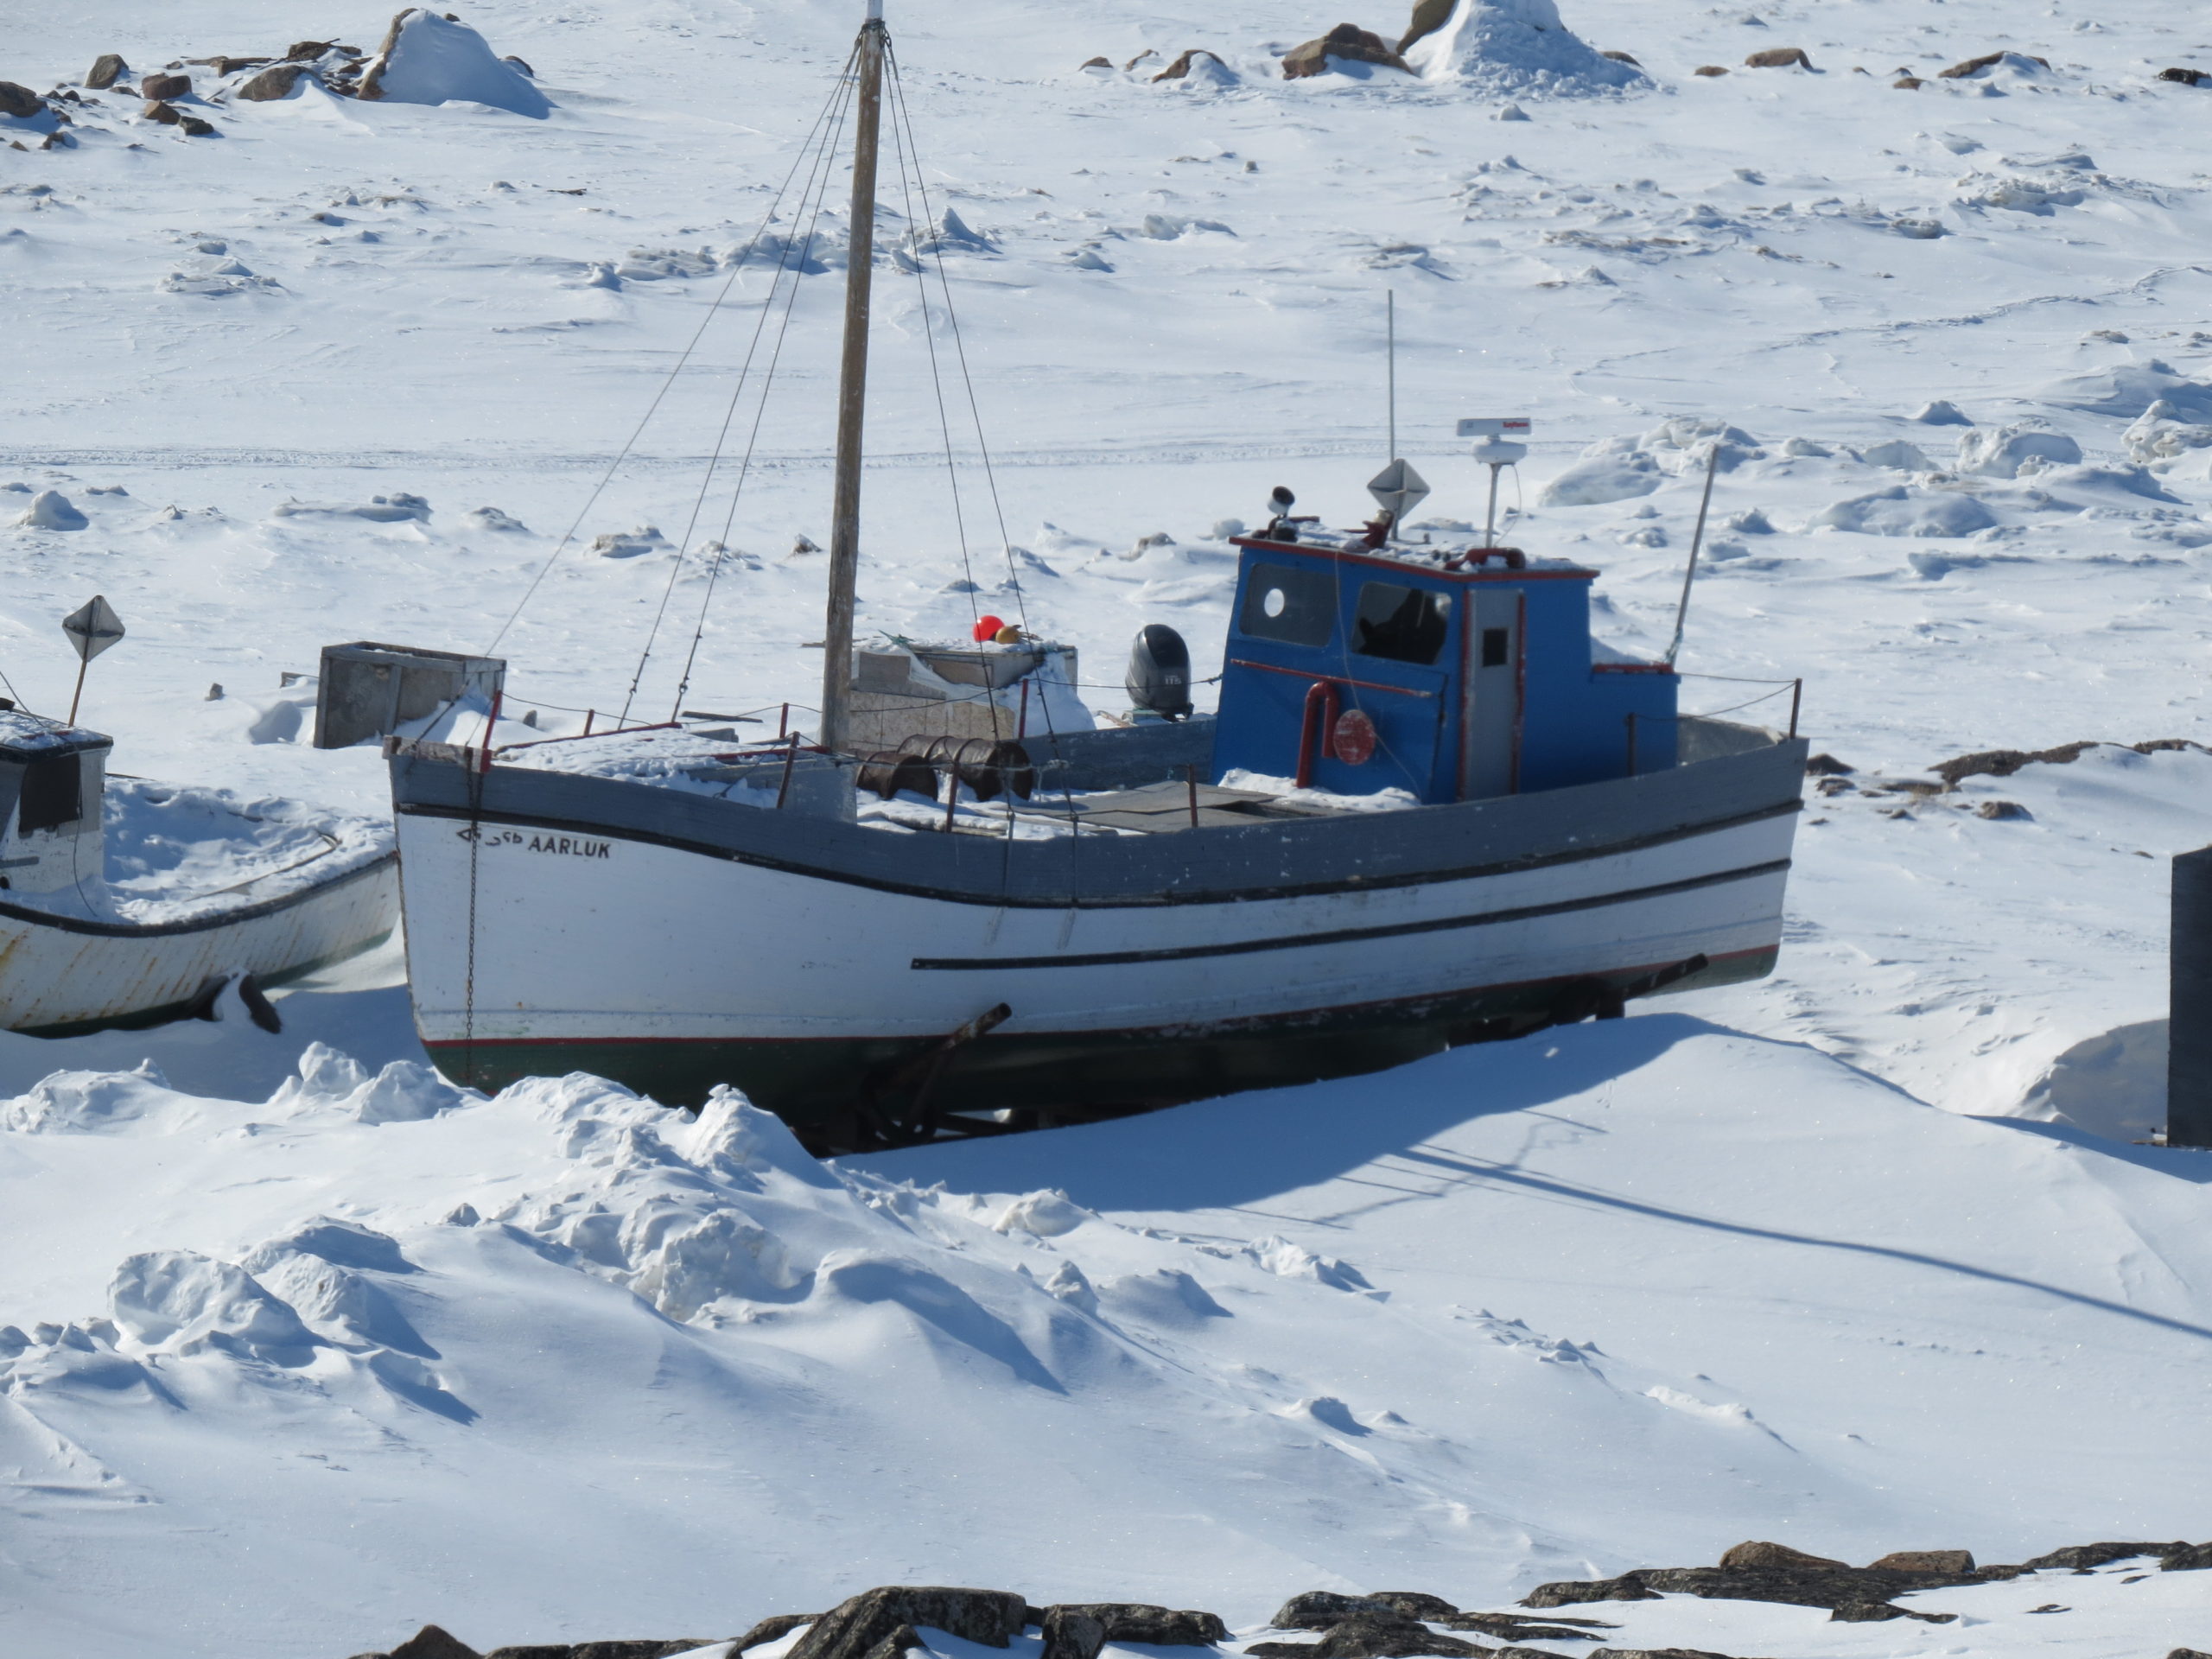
{"points": [[367, 689]]}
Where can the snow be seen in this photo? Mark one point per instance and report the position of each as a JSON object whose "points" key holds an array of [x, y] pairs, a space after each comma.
{"points": [[431, 59], [1860, 1257]]}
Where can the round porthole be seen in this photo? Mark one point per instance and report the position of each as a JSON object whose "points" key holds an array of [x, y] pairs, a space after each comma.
{"points": [[1274, 601]]}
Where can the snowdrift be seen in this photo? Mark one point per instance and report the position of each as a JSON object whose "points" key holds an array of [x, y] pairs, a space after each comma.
{"points": [[427, 59], [1504, 45], [572, 1364]]}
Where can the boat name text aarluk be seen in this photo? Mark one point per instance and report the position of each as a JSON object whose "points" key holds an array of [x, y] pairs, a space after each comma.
{"points": [[559, 846]]}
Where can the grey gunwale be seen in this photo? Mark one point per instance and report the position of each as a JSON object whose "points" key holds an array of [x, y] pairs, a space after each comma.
{"points": [[213, 920], [1752, 776]]}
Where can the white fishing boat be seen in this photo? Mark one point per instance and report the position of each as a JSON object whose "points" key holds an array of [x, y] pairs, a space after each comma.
{"points": [[127, 902], [1428, 811]]}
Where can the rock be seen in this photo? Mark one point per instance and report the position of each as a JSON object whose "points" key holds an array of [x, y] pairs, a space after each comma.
{"points": [[1935, 1560], [1137, 1621], [1908, 83], [1827, 765], [1975, 65], [1319, 1610], [19, 101], [1346, 41], [107, 69], [1512, 1627], [431, 1642], [274, 82], [1566, 1592], [1994, 809], [1415, 1604], [1096, 63], [855, 1628], [2191, 1558], [227, 65], [1778, 57], [773, 1628], [904, 1639], [1181, 67], [1387, 1635], [1622, 57], [1708, 69], [520, 67], [2187, 1652], [2187, 78], [1070, 1633], [51, 510], [162, 86], [1758, 1554], [307, 51], [646, 1649], [192, 127], [164, 113], [1652, 1653]]}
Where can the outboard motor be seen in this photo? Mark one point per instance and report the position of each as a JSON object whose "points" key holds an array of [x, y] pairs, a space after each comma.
{"points": [[1159, 673]]}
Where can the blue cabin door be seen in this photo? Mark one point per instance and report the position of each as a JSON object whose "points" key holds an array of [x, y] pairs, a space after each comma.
{"points": [[1490, 723]]}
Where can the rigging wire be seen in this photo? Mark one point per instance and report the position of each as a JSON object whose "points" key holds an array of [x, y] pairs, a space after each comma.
{"points": [[910, 162], [759, 414], [823, 154], [683, 359]]}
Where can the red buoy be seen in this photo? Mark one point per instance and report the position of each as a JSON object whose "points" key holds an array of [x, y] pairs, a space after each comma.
{"points": [[1355, 737], [987, 628]]}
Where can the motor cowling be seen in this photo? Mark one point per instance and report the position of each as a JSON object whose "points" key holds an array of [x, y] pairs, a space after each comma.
{"points": [[1160, 672]]}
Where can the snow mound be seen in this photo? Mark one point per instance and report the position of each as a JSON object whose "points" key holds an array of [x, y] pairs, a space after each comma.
{"points": [[2162, 433], [1900, 510], [2129, 390], [1619, 470], [427, 59], [51, 510], [1500, 46], [2002, 452], [183, 1302]]}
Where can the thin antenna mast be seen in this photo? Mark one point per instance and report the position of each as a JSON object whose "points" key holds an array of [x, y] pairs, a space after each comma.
{"points": [[852, 394], [1697, 540], [1391, 333]]}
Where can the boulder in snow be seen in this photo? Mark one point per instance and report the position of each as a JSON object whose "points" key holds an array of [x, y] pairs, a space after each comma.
{"points": [[1346, 43], [51, 510], [1197, 65], [19, 101], [161, 85], [427, 59], [1981, 65], [1779, 57], [1505, 45], [277, 81], [108, 68], [852, 1628]]}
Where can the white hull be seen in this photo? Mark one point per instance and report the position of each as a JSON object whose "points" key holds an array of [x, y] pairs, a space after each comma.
{"points": [[628, 941], [60, 972]]}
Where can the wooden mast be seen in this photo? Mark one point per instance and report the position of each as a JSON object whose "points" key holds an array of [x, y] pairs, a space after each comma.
{"points": [[852, 395]]}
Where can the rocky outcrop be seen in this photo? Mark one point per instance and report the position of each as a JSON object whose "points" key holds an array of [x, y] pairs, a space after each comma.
{"points": [[1138, 1621], [1347, 41], [1921, 1560], [855, 1629], [1777, 1555], [776, 1626], [1779, 57], [1070, 1633], [1567, 1592], [2187, 78]]}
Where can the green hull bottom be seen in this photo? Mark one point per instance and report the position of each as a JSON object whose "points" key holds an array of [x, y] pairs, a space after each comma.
{"points": [[845, 1094]]}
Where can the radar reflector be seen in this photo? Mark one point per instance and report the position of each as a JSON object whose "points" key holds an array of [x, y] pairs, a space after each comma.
{"points": [[1398, 489]]}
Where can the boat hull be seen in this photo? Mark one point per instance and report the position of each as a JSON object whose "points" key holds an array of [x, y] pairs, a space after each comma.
{"points": [[558, 922], [61, 975]]}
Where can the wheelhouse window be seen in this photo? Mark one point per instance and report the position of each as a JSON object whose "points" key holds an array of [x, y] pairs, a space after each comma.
{"points": [[52, 794], [1402, 625], [1284, 602]]}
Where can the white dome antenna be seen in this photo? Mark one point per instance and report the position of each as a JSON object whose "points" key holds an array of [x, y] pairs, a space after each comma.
{"points": [[1496, 446]]}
